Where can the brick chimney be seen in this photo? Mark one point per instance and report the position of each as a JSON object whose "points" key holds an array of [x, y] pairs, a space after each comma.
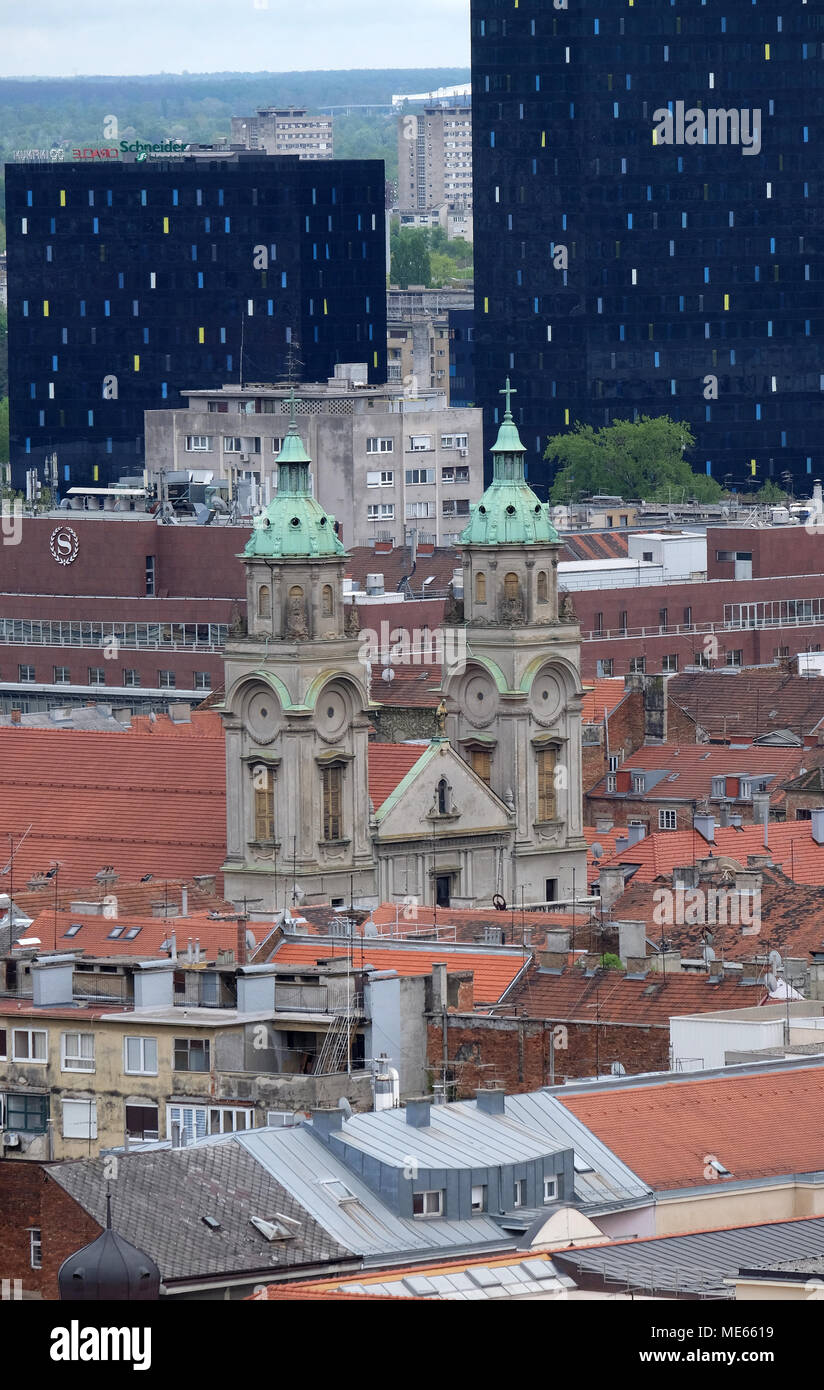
{"points": [[16, 716]]}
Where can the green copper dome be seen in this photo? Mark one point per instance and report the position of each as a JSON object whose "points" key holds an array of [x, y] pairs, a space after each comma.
{"points": [[509, 513], [294, 523]]}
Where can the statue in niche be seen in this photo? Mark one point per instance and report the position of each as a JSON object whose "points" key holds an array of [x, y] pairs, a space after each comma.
{"points": [[566, 612], [351, 625], [296, 625], [237, 627]]}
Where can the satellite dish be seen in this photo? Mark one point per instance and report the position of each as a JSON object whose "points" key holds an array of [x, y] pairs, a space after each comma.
{"points": [[387, 674], [370, 929], [597, 850], [343, 1104], [709, 954], [775, 962], [771, 982]]}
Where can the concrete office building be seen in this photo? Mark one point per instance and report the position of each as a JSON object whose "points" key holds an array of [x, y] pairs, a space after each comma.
{"points": [[385, 463], [285, 130], [130, 280]]}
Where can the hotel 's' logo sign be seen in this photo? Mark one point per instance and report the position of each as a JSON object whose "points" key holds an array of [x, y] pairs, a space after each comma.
{"points": [[64, 545]]}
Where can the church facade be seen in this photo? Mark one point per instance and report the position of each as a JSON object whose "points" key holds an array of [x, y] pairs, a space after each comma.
{"points": [[491, 808]]}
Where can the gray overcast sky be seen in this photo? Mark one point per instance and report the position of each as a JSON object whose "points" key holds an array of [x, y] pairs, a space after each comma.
{"points": [[63, 38]]}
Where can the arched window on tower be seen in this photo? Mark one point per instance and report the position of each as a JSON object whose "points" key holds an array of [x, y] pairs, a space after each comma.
{"points": [[511, 587], [327, 601], [480, 588], [264, 601], [543, 595], [443, 797]]}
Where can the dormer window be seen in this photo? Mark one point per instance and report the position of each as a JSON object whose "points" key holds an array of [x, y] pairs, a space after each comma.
{"points": [[719, 786], [639, 782], [745, 789]]}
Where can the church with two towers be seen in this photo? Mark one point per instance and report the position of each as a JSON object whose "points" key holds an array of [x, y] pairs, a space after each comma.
{"points": [[491, 809]]}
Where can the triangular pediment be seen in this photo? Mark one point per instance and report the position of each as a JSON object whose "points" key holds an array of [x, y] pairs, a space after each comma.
{"points": [[415, 809]]}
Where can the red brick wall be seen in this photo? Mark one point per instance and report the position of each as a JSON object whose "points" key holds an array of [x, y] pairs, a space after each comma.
{"points": [[516, 1051], [624, 808], [28, 1197], [626, 736], [680, 728]]}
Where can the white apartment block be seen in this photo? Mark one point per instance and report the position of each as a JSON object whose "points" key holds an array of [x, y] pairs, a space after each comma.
{"points": [[385, 462], [285, 130]]}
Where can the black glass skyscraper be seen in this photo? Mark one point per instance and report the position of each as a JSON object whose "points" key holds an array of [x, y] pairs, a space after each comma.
{"points": [[649, 222], [129, 281]]}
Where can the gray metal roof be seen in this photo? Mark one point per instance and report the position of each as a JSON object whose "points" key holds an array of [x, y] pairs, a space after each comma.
{"points": [[611, 1183], [697, 1263], [367, 1226], [160, 1198], [458, 1136]]}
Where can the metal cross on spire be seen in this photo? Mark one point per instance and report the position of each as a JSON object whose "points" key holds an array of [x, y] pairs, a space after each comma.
{"points": [[508, 391]]}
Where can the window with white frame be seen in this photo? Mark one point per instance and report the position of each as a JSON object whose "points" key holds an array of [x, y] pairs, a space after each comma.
{"points": [[745, 789], [637, 665], [35, 1247], [603, 667], [77, 1052], [416, 476], [719, 786], [380, 446], [550, 1189], [29, 1045], [453, 441], [415, 510], [667, 820], [277, 444], [614, 762], [381, 511], [79, 1119], [427, 1203], [670, 662], [479, 1198], [380, 479], [520, 1192], [612, 782], [198, 443], [639, 782], [418, 443], [189, 1122], [232, 444], [140, 1056]]}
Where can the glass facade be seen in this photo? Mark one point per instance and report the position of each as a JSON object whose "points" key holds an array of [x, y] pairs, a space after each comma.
{"points": [[649, 223], [130, 281]]}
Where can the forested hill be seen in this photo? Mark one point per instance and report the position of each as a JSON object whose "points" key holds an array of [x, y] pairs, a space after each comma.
{"points": [[39, 113]]}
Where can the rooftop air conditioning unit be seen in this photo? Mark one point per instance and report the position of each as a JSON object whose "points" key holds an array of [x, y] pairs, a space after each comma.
{"points": [[463, 453]]}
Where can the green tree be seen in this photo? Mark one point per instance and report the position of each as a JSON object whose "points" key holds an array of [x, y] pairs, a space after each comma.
{"points": [[770, 492], [410, 263], [642, 458], [609, 961]]}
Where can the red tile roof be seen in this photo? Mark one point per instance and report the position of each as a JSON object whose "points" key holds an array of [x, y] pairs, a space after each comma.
{"points": [[605, 694], [689, 769], [609, 996], [493, 971], [606, 839], [594, 545], [141, 802], [388, 765], [133, 899], [94, 938], [790, 846], [751, 701], [397, 564], [756, 1126], [203, 724]]}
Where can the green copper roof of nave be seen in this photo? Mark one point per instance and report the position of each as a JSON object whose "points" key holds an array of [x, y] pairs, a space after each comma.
{"points": [[509, 513]]}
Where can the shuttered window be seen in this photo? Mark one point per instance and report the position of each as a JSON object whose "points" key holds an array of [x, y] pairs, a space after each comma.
{"points": [[546, 784], [332, 786]]}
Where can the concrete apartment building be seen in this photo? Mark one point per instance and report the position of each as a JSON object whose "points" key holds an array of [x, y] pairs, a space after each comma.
{"points": [[435, 163], [419, 336], [285, 130], [385, 461]]}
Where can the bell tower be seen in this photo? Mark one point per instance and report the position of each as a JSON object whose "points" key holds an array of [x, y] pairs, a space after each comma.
{"points": [[515, 709], [295, 710]]}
